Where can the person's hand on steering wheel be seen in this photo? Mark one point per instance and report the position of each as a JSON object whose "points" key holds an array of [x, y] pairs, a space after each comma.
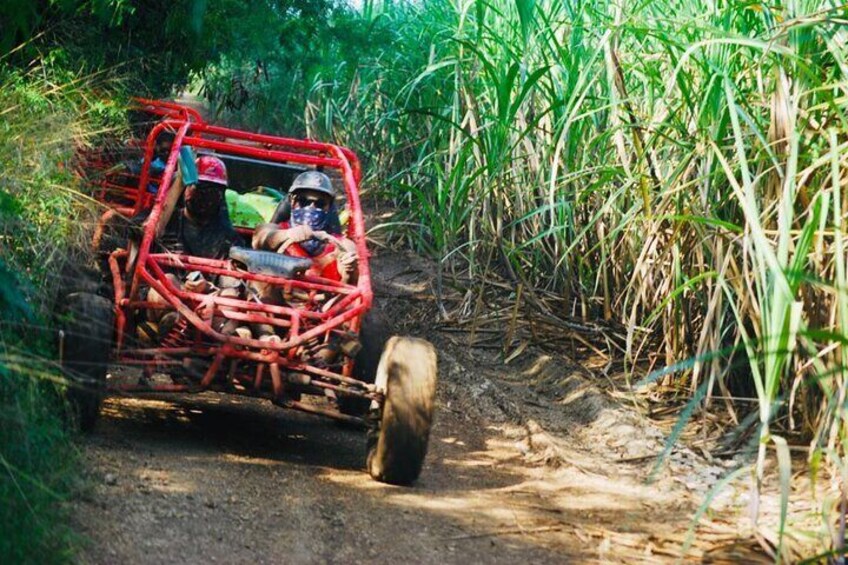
{"points": [[296, 234]]}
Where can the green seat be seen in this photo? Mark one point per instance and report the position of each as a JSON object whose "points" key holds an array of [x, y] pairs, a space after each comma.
{"points": [[252, 208]]}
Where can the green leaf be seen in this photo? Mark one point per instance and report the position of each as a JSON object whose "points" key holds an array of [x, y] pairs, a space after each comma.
{"points": [[717, 488], [712, 222], [526, 9], [9, 205], [784, 462], [682, 420], [13, 307]]}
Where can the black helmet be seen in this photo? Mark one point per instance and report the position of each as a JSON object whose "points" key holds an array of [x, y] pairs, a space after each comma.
{"points": [[313, 180]]}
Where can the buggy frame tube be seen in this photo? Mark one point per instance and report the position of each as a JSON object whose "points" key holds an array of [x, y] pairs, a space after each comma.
{"points": [[168, 109]]}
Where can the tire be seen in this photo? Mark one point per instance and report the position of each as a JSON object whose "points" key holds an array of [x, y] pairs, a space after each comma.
{"points": [[87, 321], [398, 445], [373, 336]]}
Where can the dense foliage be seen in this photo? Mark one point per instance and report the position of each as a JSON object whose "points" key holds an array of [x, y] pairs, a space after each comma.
{"points": [[159, 43], [40, 215], [677, 168]]}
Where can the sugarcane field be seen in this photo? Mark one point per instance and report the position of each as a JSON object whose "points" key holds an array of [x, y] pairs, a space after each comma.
{"points": [[394, 281]]}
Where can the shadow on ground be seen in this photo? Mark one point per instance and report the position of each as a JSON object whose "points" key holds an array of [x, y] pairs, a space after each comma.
{"points": [[228, 479]]}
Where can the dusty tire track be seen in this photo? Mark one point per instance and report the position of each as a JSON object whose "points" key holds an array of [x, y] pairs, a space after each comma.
{"points": [[199, 481]]}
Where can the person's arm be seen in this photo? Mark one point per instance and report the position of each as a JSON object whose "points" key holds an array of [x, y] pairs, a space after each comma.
{"points": [[266, 237], [272, 237], [344, 255], [347, 261]]}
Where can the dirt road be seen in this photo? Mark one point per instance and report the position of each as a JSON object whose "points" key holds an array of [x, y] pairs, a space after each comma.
{"points": [[511, 476]]}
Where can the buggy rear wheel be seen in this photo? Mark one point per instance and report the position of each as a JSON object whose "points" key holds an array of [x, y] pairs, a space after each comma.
{"points": [[87, 323], [398, 445]]}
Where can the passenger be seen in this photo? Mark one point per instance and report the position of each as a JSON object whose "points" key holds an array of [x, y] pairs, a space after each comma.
{"points": [[202, 228], [305, 235]]}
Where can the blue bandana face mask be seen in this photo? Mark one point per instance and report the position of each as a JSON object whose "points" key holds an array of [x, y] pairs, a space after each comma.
{"points": [[315, 219]]}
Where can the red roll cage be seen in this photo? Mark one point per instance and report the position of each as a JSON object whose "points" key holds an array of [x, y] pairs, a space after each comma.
{"points": [[233, 363]]}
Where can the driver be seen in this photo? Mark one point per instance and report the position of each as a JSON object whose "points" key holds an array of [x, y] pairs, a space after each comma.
{"points": [[312, 203]]}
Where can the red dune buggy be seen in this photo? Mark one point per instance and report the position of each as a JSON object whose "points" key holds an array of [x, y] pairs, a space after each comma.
{"points": [[164, 312]]}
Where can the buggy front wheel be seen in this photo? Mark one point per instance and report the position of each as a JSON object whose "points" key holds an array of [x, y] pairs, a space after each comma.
{"points": [[397, 445]]}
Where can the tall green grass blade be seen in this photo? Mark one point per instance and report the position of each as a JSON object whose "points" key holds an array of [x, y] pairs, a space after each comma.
{"points": [[784, 468], [525, 15], [705, 505], [684, 417]]}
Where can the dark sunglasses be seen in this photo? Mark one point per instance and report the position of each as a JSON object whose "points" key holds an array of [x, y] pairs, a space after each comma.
{"points": [[303, 201]]}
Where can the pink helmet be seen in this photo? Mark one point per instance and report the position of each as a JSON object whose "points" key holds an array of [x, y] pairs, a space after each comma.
{"points": [[211, 169]]}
